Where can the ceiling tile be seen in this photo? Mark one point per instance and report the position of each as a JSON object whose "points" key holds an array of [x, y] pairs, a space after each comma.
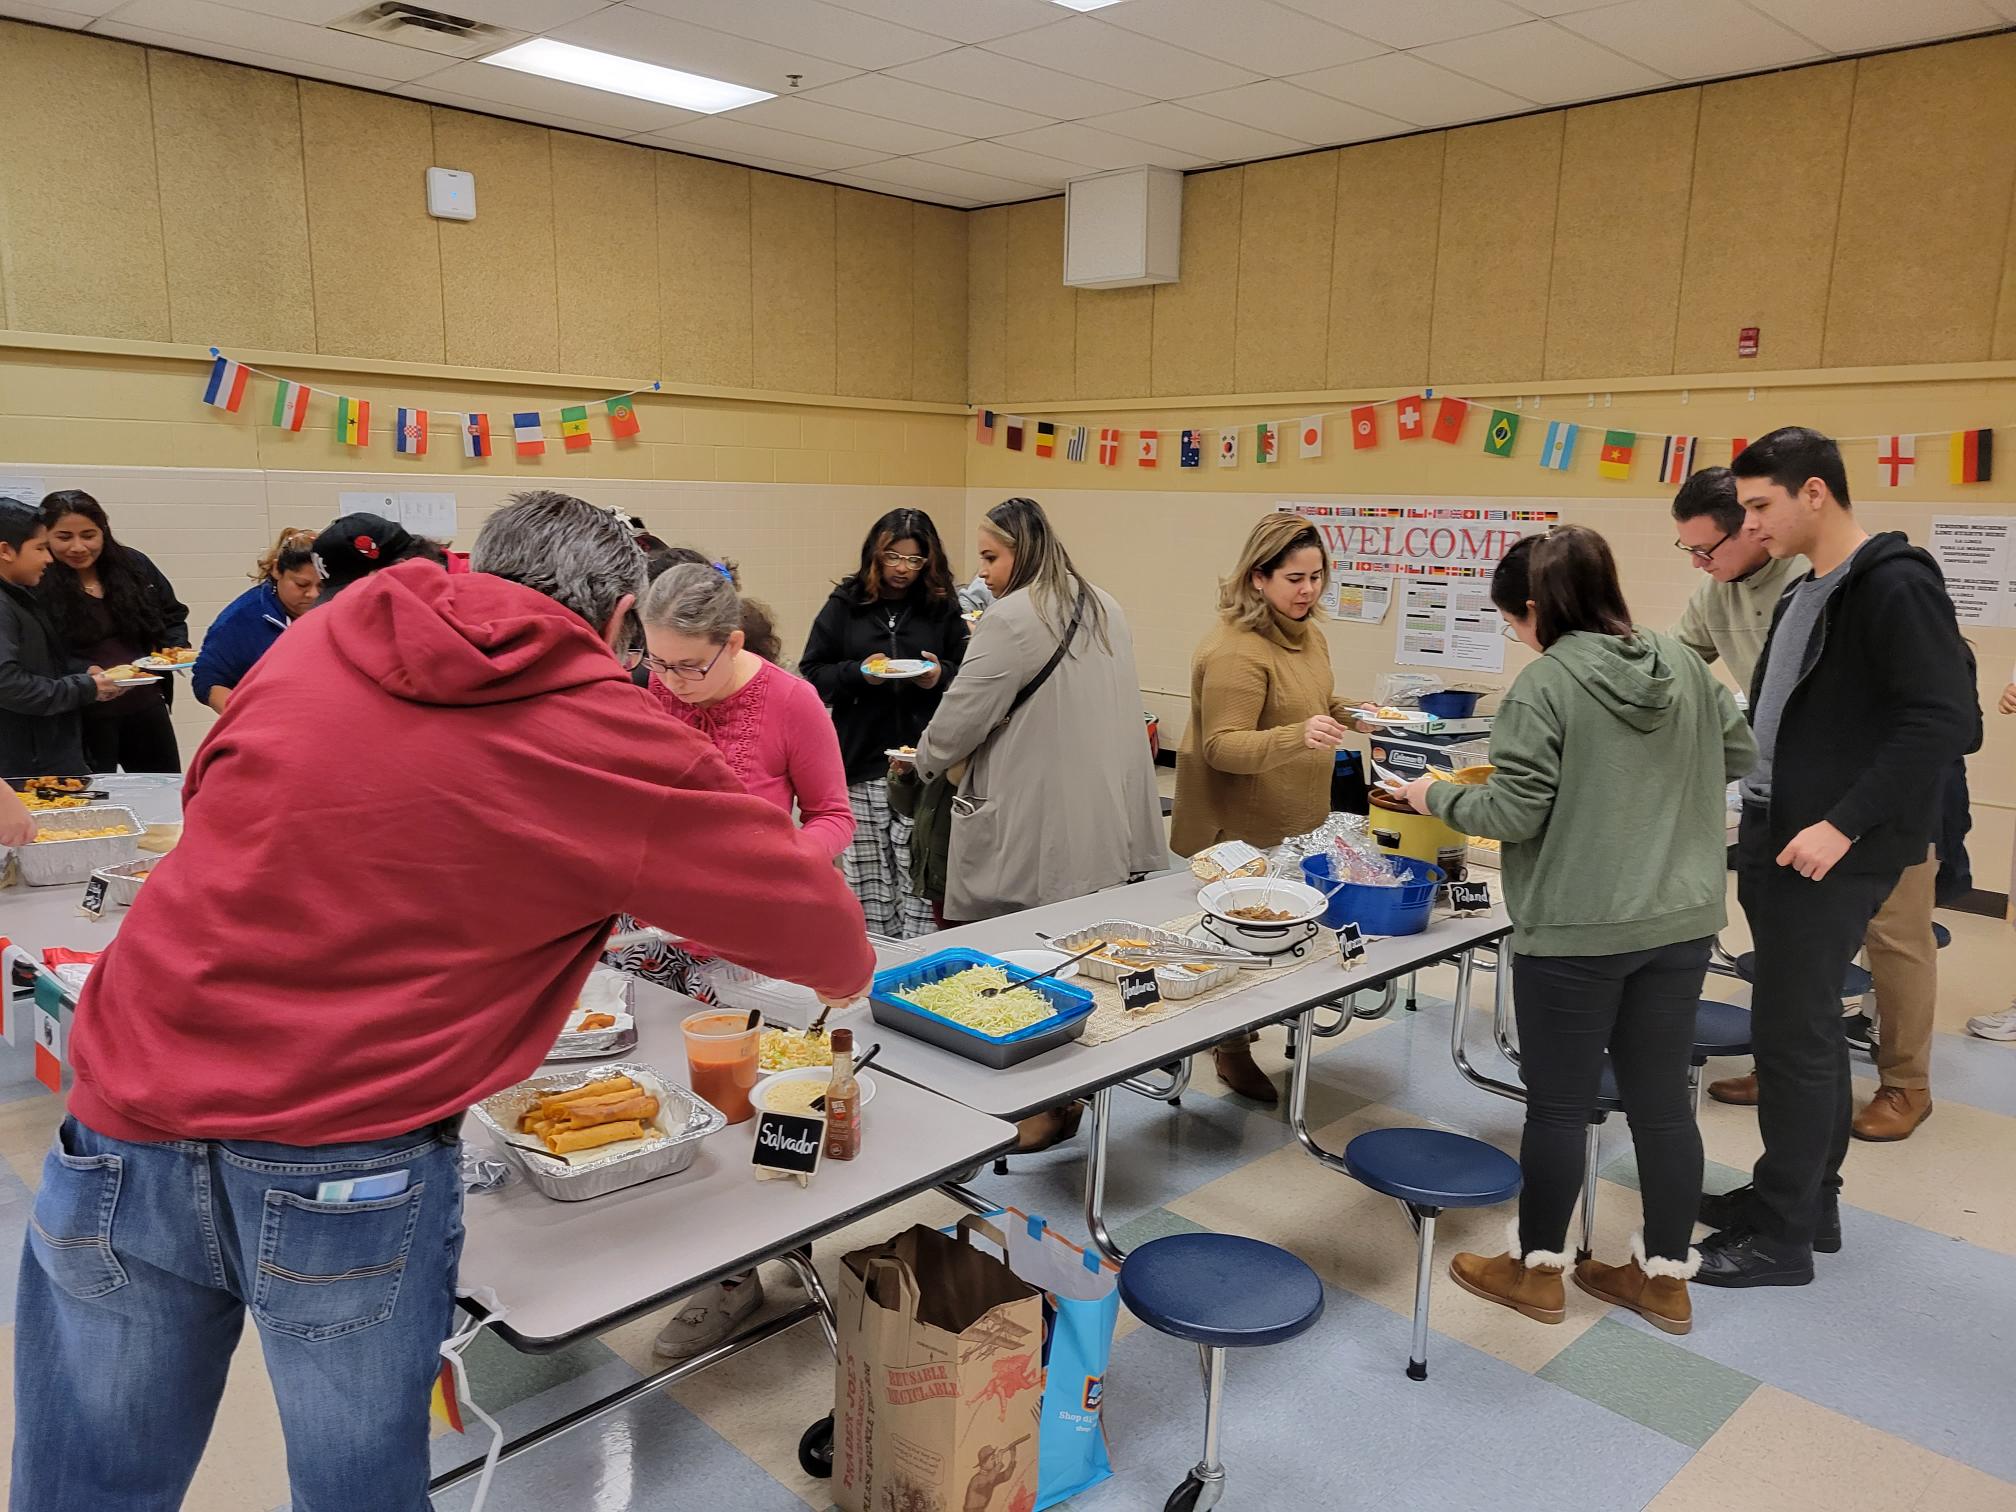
{"points": [[509, 92], [1208, 137], [20, 10], [1010, 163], [723, 155], [897, 99], [724, 133], [811, 118], [200, 21], [963, 20], [916, 173], [883, 186], [112, 27], [425, 90], [1399, 84], [811, 26], [1413, 23], [1011, 81], [1150, 67], [1076, 142], [1315, 119], [635, 33], [1857, 25], [1693, 39], [1560, 7], [518, 15], [1544, 63], [1267, 38]]}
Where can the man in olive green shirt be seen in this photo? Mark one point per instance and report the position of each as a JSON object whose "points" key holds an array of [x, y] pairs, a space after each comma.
{"points": [[1729, 617]]}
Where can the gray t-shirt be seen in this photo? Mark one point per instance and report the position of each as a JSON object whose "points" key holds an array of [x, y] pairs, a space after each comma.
{"points": [[1791, 646]]}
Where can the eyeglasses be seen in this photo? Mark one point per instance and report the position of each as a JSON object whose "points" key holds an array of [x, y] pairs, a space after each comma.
{"points": [[1507, 629], [901, 559], [683, 671], [1707, 553]]}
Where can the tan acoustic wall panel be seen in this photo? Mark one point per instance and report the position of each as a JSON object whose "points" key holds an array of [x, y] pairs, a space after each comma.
{"points": [[938, 304], [1495, 250], [986, 305], [1196, 317], [1925, 206], [79, 207], [234, 203], [1620, 233], [2004, 344], [377, 258], [705, 293], [793, 241], [1115, 335], [499, 281], [1382, 278], [1761, 221], [605, 207], [874, 248], [1287, 221], [1039, 346]]}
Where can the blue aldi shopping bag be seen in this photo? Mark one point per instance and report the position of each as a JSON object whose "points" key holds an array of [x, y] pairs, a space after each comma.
{"points": [[1081, 1306]]}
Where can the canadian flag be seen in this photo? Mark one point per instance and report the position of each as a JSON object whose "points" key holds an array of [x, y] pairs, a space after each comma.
{"points": [[1899, 459], [1150, 449], [1364, 427], [1410, 418], [1312, 436]]}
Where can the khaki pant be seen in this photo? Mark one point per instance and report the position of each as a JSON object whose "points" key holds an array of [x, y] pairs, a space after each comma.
{"points": [[1904, 960]]}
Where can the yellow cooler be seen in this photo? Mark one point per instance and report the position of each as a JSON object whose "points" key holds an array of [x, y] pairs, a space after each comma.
{"points": [[1398, 830]]}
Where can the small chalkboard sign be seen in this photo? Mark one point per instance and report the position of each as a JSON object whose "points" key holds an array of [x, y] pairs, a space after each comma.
{"points": [[1350, 943], [1469, 897], [1139, 989], [94, 896], [787, 1145]]}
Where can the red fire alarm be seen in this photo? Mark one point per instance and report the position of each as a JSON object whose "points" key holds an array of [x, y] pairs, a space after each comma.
{"points": [[1746, 341]]}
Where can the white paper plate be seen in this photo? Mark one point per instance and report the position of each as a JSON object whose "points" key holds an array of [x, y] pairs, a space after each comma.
{"points": [[1038, 960], [897, 753], [820, 1074], [135, 682], [1408, 722], [898, 671], [151, 664]]}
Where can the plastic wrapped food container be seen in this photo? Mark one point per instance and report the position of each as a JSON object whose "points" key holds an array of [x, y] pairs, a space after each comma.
{"points": [[586, 1044], [51, 863], [1073, 1007], [1176, 982], [122, 883], [684, 1119]]}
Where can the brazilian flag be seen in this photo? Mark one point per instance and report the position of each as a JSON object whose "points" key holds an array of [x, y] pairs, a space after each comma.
{"points": [[1501, 433]]}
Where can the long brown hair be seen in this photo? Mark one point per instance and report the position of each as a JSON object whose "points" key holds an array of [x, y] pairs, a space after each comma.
{"points": [[1569, 577], [1045, 568], [291, 542], [932, 585], [1273, 539]]}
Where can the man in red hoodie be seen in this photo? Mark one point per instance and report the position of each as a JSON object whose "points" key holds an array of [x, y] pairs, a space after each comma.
{"points": [[404, 846]]}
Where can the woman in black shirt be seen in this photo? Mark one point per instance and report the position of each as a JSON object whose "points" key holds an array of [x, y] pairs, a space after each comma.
{"points": [[111, 605], [901, 604]]}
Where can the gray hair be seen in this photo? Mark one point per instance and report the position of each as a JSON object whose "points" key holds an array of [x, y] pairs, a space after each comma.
{"points": [[578, 555], [695, 600]]}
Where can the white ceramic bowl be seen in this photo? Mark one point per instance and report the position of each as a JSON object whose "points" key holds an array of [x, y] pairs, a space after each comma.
{"points": [[1038, 960], [1218, 899], [819, 1074]]}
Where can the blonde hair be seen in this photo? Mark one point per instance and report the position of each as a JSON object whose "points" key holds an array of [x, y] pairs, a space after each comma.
{"points": [[1045, 569], [293, 538], [1268, 545]]}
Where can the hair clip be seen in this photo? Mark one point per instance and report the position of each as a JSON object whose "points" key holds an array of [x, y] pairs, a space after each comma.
{"points": [[722, 568]]}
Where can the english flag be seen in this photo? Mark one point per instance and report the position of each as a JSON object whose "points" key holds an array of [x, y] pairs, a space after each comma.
{"points": [[1364, 427], [1899, 459], [1150, 449], [1312, 435], [1676, 459], [1410, 418]]}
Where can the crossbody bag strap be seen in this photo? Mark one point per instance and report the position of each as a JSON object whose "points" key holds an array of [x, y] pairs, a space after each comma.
{"points": [[1063, 647]]}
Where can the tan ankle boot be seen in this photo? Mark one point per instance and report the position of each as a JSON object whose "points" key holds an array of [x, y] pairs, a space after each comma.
{"points": [[1529, 1285], [1233, 1060], [1656, 1290]]}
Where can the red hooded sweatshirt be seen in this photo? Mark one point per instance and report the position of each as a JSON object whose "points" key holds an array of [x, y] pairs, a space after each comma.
{"points": [[403, 848]]}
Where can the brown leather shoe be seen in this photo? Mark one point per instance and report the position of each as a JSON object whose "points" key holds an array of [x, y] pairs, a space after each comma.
{"points": [[1737, 1091], [1234, 1063], [1660, 1300], [1530, 1287], [1893, 1114]]}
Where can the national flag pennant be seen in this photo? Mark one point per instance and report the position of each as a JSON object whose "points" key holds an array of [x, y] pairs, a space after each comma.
{"points": [[1614, 461], [526, 432], [409, 437], [623, 423], [1267, 441], [475, 435], [1046, 438], [1501, 433], [1109, 447], [290, 406], [1013, 425], [1312, 435], [1074, 449], [49, 1041], [1411, 410], [226, 388], [1365, 427], [1228, 448], [1148, 450], [983, 427], [1899, 459], [353, 421], [1676, 459], [1449, 417], [1190, 449], [1973, 456], [444, 1404], [1737, 446], [574, 428], [1559, 450]]}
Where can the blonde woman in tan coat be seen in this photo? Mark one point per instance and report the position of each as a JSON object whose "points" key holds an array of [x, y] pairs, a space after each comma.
{"points": [[1265, 722]]}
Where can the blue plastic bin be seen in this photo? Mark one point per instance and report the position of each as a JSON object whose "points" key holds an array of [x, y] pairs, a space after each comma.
{"points": [[1450, 705], [1401, 910], [1073, 1005]]}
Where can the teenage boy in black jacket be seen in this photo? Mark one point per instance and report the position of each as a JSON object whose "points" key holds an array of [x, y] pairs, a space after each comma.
{"points": [[41, 699], [1832, 816]]}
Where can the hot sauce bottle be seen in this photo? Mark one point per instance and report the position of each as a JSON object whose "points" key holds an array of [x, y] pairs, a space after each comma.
{"points": [[843, 1101]]}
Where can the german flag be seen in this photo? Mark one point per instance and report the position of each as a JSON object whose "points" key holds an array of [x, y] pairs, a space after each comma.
{"points": [[1973, 456]]}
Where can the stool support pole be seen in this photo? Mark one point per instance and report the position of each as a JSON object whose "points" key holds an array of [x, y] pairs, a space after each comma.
{"points": [[1095, 1177], [1214, 1405], [1424, 1224]]}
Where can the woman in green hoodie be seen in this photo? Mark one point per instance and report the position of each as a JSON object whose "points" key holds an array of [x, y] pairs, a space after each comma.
{"points": [[1612, 755]]}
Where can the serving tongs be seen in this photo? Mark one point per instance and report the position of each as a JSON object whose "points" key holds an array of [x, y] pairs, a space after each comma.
{"points": [[1182, 955]]}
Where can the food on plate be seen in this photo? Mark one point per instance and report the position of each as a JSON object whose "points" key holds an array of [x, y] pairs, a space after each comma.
{"points": [[1232, 859], [175, 656], [875, 663], [125, 672], [790, 1049], [1261, 914], [957, 998], [104, 833], [595, 1021], [582, 1119], [794, 1096], [905, 753]]}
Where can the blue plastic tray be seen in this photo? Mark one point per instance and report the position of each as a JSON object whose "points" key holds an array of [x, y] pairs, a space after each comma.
{"points": [[1073, 1007]]}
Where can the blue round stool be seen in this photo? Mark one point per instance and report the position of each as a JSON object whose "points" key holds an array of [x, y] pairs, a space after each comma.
{"points": [[1429, 1170], [1941, 935], [1219, 1291], [1719, 1029], [1854, 981]]}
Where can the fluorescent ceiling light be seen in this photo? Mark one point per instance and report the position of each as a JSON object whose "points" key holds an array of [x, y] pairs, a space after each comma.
{"points": [[624, 76], [1085, 5]]}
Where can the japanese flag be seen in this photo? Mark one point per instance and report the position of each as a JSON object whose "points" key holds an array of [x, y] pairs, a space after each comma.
{"points": [[1312, 435]]}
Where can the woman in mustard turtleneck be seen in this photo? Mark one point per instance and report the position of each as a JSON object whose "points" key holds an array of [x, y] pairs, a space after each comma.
{"points": [[1265, 722]]}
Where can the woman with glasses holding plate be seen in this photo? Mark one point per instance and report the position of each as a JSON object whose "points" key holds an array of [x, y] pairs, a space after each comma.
{"points": [[881, 653]]}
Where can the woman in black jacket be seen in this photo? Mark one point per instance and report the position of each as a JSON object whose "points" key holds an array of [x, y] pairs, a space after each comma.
{"points": [[111, 605], [902, 605], [40, 698]]}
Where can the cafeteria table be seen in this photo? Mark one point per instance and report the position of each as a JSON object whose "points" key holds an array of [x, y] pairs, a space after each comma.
{"points": [[1094, 1071]]}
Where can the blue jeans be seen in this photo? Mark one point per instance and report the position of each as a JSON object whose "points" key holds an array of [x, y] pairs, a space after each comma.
{"points": [[141, 1261]]}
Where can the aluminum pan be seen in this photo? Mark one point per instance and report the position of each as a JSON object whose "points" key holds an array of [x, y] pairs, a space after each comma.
{"points": [[597, 1178]]}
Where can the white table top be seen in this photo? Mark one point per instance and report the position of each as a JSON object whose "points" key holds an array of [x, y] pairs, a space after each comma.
{"points": [[36, 917], [1075, 1069], [565, 1269]]}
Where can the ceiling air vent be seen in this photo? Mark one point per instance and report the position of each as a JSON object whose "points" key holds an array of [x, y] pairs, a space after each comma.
{"points": [[433, 31]]}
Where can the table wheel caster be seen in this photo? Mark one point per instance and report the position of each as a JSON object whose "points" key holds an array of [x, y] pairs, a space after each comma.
{"points": [[815, 1449], [1195, 1494]]}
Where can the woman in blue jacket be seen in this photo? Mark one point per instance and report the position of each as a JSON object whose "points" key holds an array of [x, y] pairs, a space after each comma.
{"points": [[288, 585]]}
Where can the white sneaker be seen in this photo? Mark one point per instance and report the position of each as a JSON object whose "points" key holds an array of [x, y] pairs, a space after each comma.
{"points": [[1995, 1026], [709, 1317]]}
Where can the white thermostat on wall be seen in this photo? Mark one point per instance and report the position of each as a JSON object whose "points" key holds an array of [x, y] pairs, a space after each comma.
{"points": [[451, 194]]}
